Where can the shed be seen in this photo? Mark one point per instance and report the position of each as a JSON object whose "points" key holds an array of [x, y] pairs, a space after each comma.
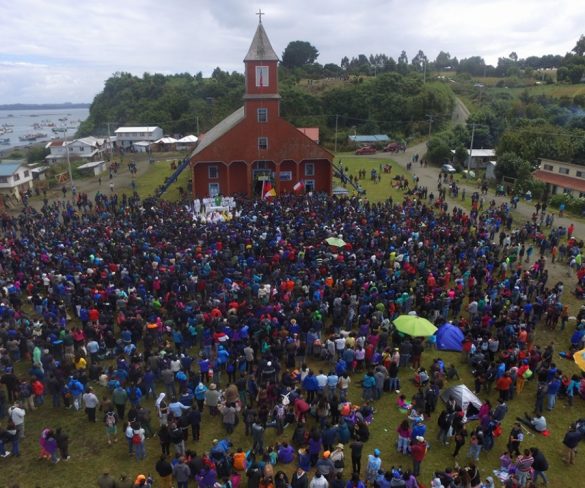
{"points": [[490, 170], [95, 167], [369, 139], [141, 146]]}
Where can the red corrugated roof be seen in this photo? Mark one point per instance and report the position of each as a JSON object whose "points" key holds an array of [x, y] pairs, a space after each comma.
{"points": [[560, 180], [311, 132]]}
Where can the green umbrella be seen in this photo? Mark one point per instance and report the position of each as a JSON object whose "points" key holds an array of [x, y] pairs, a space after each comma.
{"points": [[335, 241], [414, 326]]}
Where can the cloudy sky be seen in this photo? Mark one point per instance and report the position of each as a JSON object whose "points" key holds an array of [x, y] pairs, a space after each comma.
{"points": [[64, 50]]}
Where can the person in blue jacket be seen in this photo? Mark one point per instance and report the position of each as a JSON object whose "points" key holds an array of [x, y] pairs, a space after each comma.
{"points": [[311, 386]]}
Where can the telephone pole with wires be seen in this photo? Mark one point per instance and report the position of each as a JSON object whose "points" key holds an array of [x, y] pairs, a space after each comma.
{"points": [[430, 117]]}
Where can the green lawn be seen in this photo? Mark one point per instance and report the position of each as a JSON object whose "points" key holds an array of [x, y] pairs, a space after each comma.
{"points": [[375, 192]]}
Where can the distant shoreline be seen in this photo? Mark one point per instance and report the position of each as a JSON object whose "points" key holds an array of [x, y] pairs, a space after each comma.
{"points": [[43, 106]]}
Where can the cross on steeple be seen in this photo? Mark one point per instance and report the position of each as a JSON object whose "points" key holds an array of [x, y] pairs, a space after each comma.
{"points": [[260, 14]]}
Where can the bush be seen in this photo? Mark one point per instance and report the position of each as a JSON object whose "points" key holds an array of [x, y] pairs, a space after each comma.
{"points": [[573, 204]]}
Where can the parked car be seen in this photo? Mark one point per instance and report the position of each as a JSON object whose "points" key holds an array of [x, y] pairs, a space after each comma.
{"points": [[394, 147], [447, 168], [366, 150]]}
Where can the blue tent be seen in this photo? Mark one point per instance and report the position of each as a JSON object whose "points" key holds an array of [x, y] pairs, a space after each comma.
{"points": [[449, 338]]}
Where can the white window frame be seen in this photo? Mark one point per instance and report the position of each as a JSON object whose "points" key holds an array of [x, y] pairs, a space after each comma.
{"points": [[265, 76], [309, 185], [210, 169], [213, 189], [564, 171], [262, 119], [285, 176], [310, 172], [263, 143]]}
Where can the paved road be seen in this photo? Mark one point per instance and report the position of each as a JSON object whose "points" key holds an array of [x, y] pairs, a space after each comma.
{"points": [[429, 177]]}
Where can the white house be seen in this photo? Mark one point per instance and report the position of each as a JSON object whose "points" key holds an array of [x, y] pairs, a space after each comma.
{"points": [[480, 158], [15, 177], [57, 150], [88, 148], [561, 177], [126, 137]]}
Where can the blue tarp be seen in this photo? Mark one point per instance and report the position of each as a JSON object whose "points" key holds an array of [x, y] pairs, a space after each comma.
{"points": [[449, 338], [370, 138]]}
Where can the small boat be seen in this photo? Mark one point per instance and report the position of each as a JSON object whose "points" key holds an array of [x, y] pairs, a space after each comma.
{"points": [[4, 142]]}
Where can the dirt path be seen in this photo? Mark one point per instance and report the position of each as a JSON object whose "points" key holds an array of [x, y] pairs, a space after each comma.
{"points": [[460, 112]]}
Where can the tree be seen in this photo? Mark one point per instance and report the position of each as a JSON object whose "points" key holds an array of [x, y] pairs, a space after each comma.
{"points": [[419, 60], [475, 65], [579, 48], [460, 156], [513, 56], [443, 60], [299, 53], [438, 150], [513, 166], [36, 154], [403, 62]]}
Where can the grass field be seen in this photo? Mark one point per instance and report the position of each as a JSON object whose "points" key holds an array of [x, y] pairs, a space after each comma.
{"points": [[90, 453], [375, 192]]}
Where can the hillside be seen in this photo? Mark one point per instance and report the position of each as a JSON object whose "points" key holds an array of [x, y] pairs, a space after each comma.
{"points": [[388, 103]]}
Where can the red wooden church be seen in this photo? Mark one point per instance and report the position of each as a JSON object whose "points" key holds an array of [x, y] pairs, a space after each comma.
{"points": [[254, 146]]}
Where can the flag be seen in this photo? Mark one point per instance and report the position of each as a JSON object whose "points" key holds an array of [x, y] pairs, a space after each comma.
{"points": [[267, 190], [299, 186]]}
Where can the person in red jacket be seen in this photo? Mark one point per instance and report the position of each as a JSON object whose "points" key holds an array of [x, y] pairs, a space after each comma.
{"points": [[38, 390], [418, 451]]}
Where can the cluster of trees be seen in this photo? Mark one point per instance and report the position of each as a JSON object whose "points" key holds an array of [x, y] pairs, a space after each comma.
{"points": [[177, 103], [300, 59], [389, 103], [522, 129]]}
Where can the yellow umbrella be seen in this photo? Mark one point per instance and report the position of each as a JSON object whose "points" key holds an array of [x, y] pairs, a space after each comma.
{"points": [[579, 358], [414, 326]]}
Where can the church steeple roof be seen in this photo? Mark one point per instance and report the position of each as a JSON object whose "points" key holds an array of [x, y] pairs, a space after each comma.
{"points": [[261, 49]]}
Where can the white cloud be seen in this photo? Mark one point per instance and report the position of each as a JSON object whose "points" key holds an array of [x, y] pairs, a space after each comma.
{"points": [[65, 49]]}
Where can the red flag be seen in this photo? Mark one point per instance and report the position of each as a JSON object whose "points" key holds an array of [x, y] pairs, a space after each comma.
{"points": [[299, 186], [267, 190]]}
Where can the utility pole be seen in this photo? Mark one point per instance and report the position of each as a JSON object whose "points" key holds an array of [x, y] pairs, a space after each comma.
{"points": [[109, 141], [470, 149], [430, 117], [69, 166], [336, 117]]}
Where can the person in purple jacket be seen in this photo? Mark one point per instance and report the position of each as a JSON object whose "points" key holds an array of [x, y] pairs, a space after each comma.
{"points": [[206, 478], [286, 453], [315, 445]]}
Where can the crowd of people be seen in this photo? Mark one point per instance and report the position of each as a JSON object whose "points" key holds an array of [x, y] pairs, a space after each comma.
{"points": [[153, 323]]}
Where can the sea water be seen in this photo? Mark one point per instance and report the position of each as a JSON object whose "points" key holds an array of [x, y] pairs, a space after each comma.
{"points": [[20, 123]]}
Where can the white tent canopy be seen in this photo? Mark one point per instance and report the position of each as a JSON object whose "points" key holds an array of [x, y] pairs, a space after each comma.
{"points": [[188, 139], [166, 140], [463, 396]]}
